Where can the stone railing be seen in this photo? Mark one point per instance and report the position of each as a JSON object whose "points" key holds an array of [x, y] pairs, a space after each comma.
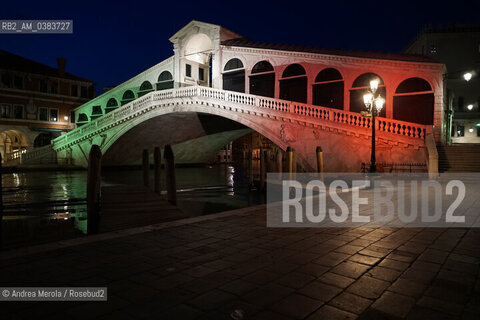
{"points": [[246, 102], [34, 153], [14, 155]]}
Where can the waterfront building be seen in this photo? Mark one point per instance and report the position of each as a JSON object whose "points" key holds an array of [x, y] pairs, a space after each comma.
{"points": [[36, 103], [458, 47]]}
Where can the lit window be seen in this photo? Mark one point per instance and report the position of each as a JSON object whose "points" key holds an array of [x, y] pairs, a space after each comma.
{"points": [[53, 114]]}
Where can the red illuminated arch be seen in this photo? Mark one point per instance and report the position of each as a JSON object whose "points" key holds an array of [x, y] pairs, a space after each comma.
{"points": [[360, 87], [293, 85], [262, 79], [327, 91], [414, 101]]}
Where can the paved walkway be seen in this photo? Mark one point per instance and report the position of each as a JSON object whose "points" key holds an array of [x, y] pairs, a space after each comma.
{"points": [[217, 264]]}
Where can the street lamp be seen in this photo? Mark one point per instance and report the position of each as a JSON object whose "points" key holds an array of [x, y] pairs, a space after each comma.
{"points": [[374, 104]]}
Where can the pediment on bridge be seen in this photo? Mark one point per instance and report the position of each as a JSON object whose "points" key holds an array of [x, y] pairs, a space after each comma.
{"points": [[214, 31]]}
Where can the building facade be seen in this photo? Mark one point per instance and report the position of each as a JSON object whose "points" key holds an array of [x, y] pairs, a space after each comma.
{"points": [[459, 49], [36, 103]]}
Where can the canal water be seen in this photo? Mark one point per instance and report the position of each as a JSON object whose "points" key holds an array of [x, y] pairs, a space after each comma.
{"points": [[45, 206]]}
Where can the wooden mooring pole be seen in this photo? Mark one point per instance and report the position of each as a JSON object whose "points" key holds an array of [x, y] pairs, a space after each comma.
{"points": [[1, 203], [157, 162], [170, 174], [146, 167], [93, 189], [320, 161]]}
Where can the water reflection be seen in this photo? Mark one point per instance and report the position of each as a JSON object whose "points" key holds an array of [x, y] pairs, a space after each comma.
{"points": [[46, 206]]}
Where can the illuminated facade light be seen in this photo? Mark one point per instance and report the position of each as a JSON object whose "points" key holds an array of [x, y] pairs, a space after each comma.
{"points": [[470, 107], [65, 118], [467, 76], [374, 85], [470, 130]]}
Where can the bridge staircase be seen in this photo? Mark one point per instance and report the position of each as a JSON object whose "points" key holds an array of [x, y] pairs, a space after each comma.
{"points": [[459, 158]]}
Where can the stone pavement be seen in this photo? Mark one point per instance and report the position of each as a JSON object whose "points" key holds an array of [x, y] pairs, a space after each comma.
{"points": [[208, 269]]}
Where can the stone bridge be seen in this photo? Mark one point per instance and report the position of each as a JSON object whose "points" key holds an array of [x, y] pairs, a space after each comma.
{"points": [[344, 136]]}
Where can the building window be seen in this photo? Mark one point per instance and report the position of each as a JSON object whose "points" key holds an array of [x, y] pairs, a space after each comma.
{"points": [[18, 111], [83, 92], [43, 114], [453, 131], [5, 111], [433, 48], [460, 131], [53, 114], [188, 70], [201, 74], [6, 80], [461, 104], [42, 86], [478, 131], [54, 88], [72, 116], [18, 82], [74, 90]]}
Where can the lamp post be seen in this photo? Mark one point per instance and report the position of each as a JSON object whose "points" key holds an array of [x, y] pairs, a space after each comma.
{"points": [[374, 104]]}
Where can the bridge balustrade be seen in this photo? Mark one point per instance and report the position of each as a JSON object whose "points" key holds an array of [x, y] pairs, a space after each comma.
{"points": [[246, 101]]}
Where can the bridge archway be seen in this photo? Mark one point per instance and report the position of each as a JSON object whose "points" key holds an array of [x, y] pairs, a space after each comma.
{"points": [[198, 48], [360, 86], [328, 89], [128, 96], [262, 79], [145, 88], [234, 76], [414, 101], [165, 81], [174, 125], [293, 84], [112, 104], [11, 141]]}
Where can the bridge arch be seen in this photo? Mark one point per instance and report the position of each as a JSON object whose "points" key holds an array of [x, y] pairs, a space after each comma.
{"points": [[234, 75], [262, 79], [82, 119], [145, 88], [328, 89], [293, 84], [360, 86], [128, 96], [165, 80], [413, 101], [252, 122], [12, 140], [112, 104], [198, 48]]}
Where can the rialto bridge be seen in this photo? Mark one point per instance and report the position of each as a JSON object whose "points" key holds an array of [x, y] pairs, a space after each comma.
{"points": [[219, 86]]}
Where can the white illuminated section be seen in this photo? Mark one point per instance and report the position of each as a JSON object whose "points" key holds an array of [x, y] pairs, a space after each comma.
{"points": [[470, 107], [374, 85], [65, 118], [470, 130], [467, 76]]}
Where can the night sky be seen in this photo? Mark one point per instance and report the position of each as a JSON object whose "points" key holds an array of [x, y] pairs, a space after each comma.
{"points": [[115, 40]]}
